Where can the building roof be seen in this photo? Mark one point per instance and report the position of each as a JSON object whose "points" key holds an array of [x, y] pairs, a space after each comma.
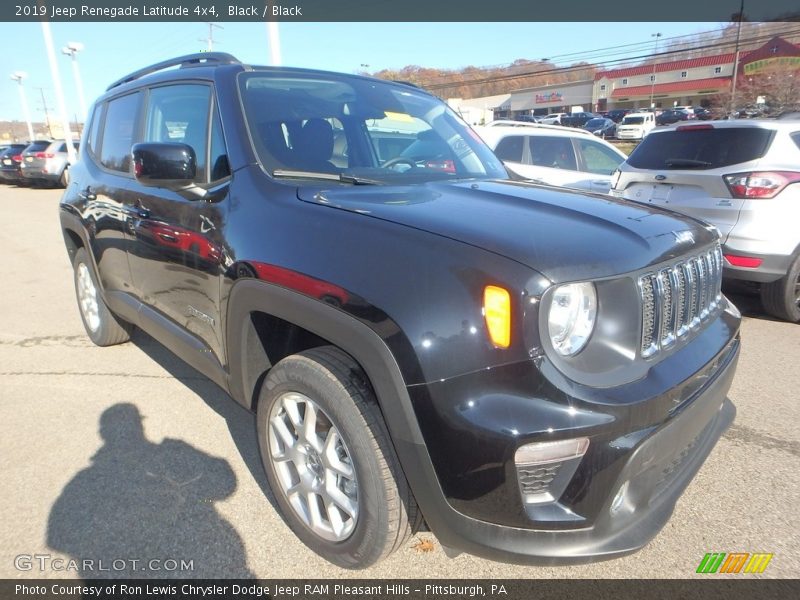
{"points": [[702, 61], [713, 83], [777, 46]]}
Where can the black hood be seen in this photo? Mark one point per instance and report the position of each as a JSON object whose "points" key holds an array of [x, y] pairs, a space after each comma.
{"points": [[564, 235]]}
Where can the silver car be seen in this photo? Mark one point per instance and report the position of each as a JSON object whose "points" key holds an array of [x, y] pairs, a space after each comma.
{"points": [[744, 178], [46, 162]]}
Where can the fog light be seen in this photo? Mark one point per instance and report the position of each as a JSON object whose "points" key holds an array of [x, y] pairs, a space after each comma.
{"points": [[547, 452], [545, 468]]}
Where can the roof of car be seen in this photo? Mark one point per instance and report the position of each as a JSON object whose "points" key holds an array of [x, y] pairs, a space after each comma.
{"points": [[533, 128], [728, 124]]}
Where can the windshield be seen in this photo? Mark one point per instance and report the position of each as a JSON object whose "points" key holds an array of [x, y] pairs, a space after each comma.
{"points": [[596, 123], [321, 126], [633, 120]]}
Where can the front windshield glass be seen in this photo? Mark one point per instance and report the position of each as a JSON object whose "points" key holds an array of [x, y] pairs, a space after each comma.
{"points": [[339, 125], [596, 122], [633, 120]]}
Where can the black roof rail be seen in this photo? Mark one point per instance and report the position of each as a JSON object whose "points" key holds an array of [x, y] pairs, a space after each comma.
{"points": [[190, 60]]}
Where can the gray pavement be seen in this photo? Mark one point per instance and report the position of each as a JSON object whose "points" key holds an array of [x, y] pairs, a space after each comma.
{"points": [[75, 487]]}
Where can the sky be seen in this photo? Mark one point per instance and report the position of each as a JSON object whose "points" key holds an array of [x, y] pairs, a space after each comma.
{"points": [[114, 49]]}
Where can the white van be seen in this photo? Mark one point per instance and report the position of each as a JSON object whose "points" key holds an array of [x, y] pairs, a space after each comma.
{"points": [[635, 126]]}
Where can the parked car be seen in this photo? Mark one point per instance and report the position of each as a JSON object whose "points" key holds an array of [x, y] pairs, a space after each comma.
{"points": [[636, 126], [672, 115], [578, 119], [10, 160], [703, 114], [556, 156], [601, 127], [498, 359], [552, 118], [616, 114], [46, 163], [744, 178]]}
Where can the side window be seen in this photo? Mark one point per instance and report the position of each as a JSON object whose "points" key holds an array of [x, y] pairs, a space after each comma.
{"points": [[796, 138], [94, 131], [510, 148], [179, 114], [218, 158], [120, 123], [597, 158], [553, 152]]}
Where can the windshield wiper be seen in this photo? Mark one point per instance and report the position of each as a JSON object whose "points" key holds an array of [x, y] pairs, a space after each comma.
{"points": [[686, 162], [342, 177]]}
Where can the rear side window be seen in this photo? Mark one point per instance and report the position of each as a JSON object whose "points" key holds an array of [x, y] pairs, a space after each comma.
{"points": [[553, 152], [510, 148], [796, 138], [597, 158], [701, 148], [115, 151]]}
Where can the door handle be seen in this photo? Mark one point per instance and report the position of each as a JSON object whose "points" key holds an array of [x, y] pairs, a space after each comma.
{"points": [[87, 194]]}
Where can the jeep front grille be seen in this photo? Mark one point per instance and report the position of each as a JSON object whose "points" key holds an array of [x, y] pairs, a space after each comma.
{"points": [[678, 298]]}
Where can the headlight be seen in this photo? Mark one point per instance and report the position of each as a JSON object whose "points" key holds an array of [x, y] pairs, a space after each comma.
{"points": [[571, 319]]}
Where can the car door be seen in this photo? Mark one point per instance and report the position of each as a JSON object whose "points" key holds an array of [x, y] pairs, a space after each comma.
{"points": [[102, 185], [551, 160], [177, 258]]}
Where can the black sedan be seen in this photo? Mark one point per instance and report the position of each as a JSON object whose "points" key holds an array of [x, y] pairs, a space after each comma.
{"points": [[601, 127], [672, 115]]}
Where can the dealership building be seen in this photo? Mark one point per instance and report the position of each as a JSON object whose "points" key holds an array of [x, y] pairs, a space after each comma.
{"points": [[693, 81]]}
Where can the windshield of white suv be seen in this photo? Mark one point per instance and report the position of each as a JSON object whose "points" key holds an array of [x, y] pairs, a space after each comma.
{"points": [[358, 130]]}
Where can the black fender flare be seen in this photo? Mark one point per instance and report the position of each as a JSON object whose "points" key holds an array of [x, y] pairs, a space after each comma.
{"points": [[366, 347]]}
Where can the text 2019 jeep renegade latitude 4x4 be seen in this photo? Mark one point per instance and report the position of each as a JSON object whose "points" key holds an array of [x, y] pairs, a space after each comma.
{"points": [[534, 373]]}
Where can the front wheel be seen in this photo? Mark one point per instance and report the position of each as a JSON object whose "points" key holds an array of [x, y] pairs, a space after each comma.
{"points": [[329, 459], [781, 298]]}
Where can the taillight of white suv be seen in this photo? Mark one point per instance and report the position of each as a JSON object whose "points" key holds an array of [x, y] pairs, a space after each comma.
{"points": [[760, 184]]}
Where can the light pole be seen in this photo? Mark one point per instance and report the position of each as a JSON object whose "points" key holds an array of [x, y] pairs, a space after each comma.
{"points": [[18, 76], [71, 50], [653, 76], [732, 108], [60, 103]]}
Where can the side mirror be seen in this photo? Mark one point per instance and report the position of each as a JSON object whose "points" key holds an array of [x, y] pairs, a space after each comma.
{"points": [[166, 165]]}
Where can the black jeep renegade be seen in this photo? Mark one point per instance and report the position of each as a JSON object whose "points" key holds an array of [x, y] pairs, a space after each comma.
{"points": [[535, 374]]}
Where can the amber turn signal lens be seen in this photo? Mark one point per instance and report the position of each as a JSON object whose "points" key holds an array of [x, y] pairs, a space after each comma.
{"points": [[497, 312]]}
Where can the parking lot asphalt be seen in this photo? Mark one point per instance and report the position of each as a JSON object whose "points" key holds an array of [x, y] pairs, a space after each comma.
{"points": [[124, 452]]}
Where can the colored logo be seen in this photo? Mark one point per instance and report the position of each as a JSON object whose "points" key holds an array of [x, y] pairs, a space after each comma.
{"points": [[735, 562]]}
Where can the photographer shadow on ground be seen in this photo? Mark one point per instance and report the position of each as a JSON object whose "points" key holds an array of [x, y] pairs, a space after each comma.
{"points": [[148, 503]]}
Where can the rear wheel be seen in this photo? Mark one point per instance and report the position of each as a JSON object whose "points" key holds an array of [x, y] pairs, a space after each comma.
{"points": [[102, 326], [63, 181], [329, 459], [781, 298]]}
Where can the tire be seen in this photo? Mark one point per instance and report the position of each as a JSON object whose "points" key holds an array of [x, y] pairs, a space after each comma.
{"points": [[781, 298], [359, 520], [63, 181], [102, 326]]}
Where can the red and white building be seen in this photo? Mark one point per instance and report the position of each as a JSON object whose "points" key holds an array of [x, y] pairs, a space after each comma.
{"points": [[693, 81]]}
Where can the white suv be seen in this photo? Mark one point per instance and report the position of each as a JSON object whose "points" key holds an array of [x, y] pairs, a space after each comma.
{"points": [[554, 155], [744, 178]]}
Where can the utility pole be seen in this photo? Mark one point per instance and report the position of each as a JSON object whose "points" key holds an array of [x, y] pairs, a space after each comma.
{"points": [[732, 107], [274, 39], [46, 114], [210, 39]]}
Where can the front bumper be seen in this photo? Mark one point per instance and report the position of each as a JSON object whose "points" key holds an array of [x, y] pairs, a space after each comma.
{"points": [[653, 457]]}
